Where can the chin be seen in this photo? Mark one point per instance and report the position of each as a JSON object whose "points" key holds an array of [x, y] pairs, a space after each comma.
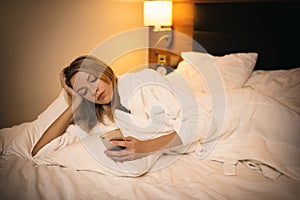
{"points": [[103, 102]]}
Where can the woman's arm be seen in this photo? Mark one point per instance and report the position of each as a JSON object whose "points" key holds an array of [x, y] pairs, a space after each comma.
{"points": [[58, 127], [151, 145], [135, 148]]}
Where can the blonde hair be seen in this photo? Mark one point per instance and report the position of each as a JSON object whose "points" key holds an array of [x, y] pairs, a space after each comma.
{"points": [[89, 113]]}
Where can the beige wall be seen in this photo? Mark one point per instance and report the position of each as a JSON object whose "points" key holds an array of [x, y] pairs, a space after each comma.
{"points": [[39, 38]]}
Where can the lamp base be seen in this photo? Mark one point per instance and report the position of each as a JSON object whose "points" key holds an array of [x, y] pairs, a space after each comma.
{"points": [[167, 37], [160, 29]]}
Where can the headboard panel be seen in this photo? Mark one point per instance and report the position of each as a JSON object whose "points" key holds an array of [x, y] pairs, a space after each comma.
{"points": [[264, 27]]}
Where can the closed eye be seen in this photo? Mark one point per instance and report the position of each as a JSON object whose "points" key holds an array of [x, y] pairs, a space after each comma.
{"points": [[82, 91]]}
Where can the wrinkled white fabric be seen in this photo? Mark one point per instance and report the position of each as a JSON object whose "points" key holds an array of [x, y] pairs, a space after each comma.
{"points": [[258, 129], [156, 109]]}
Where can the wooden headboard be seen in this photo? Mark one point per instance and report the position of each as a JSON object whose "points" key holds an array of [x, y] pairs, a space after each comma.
{"points": [[268, 28]]}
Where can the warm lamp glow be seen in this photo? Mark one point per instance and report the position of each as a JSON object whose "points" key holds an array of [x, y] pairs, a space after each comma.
{"points": [[158, 13]]}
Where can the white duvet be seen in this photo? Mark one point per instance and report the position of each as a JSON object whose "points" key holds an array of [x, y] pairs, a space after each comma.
{"points": [[261, 131]]}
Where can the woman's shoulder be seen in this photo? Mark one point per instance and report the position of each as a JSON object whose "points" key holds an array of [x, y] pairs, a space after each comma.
{"points": [[130, 83], [144, 72], [141, 77]]}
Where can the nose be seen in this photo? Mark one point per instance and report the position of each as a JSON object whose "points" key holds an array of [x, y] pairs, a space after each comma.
{"points": [[97, 90]]}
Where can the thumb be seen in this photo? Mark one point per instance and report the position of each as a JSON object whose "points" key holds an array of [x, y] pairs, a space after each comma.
{"points": [[129, 138]]}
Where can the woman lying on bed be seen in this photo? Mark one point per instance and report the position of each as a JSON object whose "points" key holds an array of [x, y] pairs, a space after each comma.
{"points": [[152, 114], [158, 118]]}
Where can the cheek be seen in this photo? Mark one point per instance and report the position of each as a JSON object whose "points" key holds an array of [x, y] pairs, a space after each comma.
{"points": [[104, 85], [90, 95], [89, 99], [110, 88]]}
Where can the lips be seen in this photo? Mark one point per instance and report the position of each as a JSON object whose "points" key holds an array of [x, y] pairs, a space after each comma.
{"points": [[100, 96]]}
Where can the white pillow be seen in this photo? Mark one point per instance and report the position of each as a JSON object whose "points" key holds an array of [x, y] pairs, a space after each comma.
{"points": [[54, 110], [234, 69], [20, 139], [282, 85]]}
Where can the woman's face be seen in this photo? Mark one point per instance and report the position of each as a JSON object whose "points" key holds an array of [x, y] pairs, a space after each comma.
{"points": [[92, 88]]}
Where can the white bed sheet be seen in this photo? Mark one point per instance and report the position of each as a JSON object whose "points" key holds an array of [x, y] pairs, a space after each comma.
{"points": [[189, 177]]}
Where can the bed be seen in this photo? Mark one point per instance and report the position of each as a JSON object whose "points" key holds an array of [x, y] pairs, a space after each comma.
{"points": [[256, 155]]}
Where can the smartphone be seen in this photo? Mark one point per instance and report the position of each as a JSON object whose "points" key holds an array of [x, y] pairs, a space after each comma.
{"points": [[112, 135]]}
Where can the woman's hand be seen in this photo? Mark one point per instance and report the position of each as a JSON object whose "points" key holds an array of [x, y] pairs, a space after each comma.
{"points": [[134, 149], [123, 156], [76, 98]]}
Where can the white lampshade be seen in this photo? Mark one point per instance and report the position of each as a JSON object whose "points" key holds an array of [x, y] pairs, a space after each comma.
{"points": [[158, 13]]}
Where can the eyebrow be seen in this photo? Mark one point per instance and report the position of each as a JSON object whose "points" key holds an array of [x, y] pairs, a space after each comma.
{"points": [[91, 78]]}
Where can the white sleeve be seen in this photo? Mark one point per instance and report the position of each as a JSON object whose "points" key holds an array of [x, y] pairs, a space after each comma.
{"points": [[194, 121], [175, 110]]}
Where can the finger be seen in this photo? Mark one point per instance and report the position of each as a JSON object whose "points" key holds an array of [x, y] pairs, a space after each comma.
{"points": [[118, 143], [63, 81], [129, 157], [62, 76], [123, 158], [117, 153], [129, 138]]}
